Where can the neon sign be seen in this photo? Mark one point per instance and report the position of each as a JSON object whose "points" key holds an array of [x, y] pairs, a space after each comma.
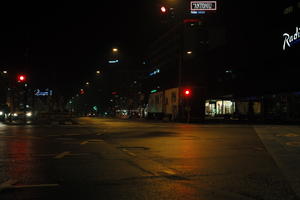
{"points": [[290, 40]]}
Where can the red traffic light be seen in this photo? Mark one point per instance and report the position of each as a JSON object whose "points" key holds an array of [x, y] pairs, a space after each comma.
{"points": [[163, 9], [187, 92], [21, 78], [81, 91]]}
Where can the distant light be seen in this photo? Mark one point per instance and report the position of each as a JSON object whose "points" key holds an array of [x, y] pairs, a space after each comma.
{"points": [[15, 114], [27, 106], [157, 71], [98, 72], [87, 83], [113, 61], [163, 9], [95, 108], [153, 91], [187, 92], [1, 113], [115, 50], [29, 114], [191, 21], [21, 78], [189, 52], [4, 72]]}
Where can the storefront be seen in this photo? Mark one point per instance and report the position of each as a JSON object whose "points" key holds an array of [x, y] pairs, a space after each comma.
{"points": [[219, 107]]}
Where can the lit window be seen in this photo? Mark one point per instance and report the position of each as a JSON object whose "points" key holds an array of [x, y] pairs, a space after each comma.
{"points": [[289, 10]]}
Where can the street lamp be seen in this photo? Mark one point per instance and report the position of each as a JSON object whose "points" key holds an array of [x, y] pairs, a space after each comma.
{"points": [[98, 72], [189, 52], [87, 83], [115, 50]]}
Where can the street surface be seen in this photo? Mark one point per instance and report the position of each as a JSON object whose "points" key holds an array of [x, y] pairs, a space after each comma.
{"points": [[126, 159]]}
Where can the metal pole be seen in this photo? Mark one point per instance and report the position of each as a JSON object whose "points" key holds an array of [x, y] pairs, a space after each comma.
{"points": [[180, 64]]}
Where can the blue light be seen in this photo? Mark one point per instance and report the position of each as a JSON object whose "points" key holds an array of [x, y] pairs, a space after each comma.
{"points": [[155, 72], [197, 12], [113, 61]]}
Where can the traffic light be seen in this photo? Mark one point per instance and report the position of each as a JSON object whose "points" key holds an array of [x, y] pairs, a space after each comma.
{"points": [[163, 9], [187, 92], [21, 78], [81, 91]]}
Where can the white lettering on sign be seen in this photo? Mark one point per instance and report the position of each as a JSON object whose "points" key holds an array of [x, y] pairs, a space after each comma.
{"points": [[203, 5], [289, 40]]}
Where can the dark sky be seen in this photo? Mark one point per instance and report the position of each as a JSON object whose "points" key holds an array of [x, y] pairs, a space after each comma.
{"points": [[62, 44]]}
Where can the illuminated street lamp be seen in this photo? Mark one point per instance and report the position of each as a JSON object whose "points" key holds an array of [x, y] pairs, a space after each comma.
{"points": [[5, 72], [189, 52], [115, 50], [87, 83], [98, 72]]}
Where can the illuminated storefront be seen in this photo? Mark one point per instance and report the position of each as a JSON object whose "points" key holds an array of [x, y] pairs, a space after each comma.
{"points": [[219, 107]]}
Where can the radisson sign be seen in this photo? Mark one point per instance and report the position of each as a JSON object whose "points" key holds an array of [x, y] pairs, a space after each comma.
{"points": [[291, 39]]}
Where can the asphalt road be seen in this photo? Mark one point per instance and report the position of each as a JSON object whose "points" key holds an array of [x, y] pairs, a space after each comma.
{"points": [[119, 159]]}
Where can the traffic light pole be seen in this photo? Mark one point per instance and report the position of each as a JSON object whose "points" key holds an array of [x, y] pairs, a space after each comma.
{"points": [[180, 65]]}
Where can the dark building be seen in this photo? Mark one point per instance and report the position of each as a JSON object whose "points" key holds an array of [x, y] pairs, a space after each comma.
{"points": [[238, 54]]}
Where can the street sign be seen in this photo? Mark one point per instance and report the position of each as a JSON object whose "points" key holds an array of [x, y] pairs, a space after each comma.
{"points": [[201, 7]]}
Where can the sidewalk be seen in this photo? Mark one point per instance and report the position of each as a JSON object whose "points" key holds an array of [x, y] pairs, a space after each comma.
{"points": [[283, 143]]}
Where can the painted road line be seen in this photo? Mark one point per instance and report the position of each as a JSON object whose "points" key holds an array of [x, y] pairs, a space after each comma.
{"points": [[288, 135], [84, 142], [294, 144], [91, 141], [96, 140], [169, 172], [63, 154], [128, 152], [72, 134], [44, 155], [35, 186], [8, 184], [65, 139]]}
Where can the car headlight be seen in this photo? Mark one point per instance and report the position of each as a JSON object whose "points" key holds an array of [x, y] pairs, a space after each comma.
{"points": [[29, 114], [15, 114], [1, 113]]}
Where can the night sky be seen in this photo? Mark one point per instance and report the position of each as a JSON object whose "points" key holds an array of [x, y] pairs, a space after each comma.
{"points": [[61, 45]]}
